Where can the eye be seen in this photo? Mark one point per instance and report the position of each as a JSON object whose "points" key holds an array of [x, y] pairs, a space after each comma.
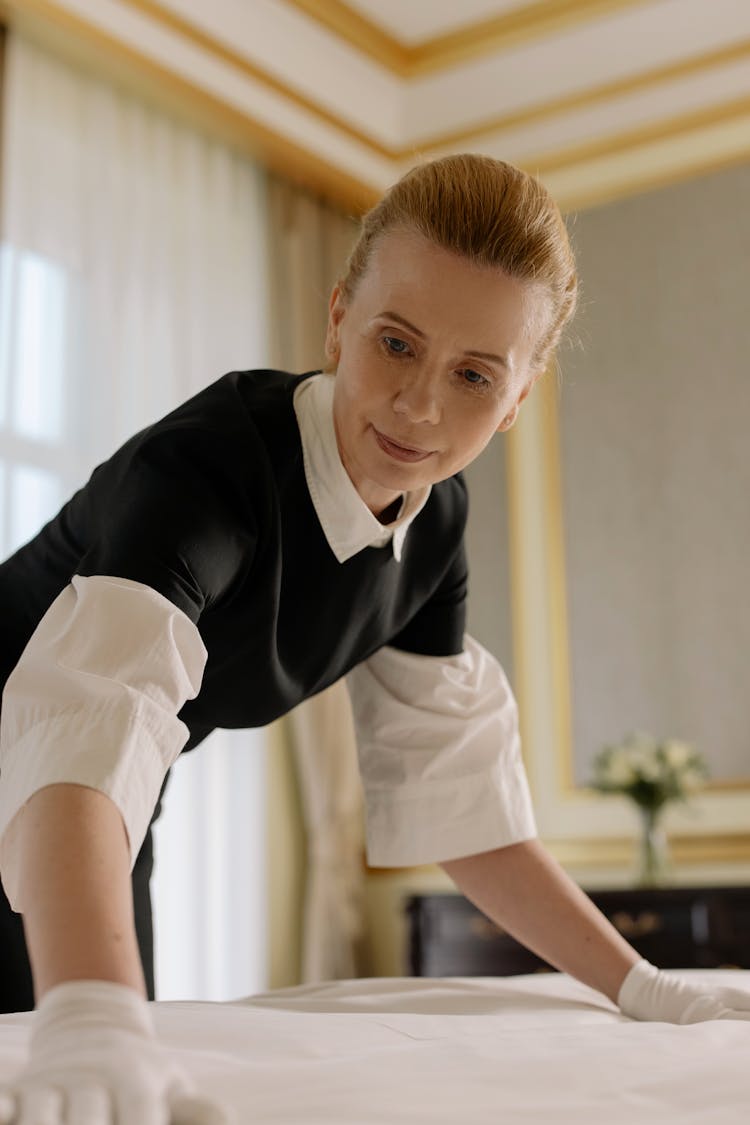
{"points": [[395, 346], [474, 378]]}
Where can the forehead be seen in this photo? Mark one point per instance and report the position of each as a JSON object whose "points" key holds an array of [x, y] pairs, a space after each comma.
{"points": [[444, 293]]}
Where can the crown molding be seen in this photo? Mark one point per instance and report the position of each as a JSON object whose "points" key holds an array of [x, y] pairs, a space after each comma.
{"points": [[353, 28], [593, 95], [219, 49], [628, 139], [591, 173], [465, 44]]}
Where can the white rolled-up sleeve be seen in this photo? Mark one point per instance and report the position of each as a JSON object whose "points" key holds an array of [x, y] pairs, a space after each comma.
{"points": [[439, 755], [93, 700]]}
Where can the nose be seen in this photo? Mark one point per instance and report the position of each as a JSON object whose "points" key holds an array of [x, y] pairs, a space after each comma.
{"points": [[418, 399]]}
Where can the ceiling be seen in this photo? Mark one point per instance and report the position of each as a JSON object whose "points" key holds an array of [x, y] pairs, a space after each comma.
{"points": [[415, 21], [597, 97]]}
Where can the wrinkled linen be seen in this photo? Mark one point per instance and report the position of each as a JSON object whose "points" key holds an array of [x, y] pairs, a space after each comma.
{"points": [[531, 1050]]}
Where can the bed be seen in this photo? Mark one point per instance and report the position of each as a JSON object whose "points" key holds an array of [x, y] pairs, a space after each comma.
{"points": [[531, 1050]]}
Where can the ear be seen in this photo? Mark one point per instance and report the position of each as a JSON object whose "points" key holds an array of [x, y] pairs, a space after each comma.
{"points": [[512, 414], [336, 309], [508, 420]]}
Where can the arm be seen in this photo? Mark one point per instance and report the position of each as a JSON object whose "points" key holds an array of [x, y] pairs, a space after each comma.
{"points": [[92, 1011], [441, 766], [78, 910], [78, 786], [525, 891]]}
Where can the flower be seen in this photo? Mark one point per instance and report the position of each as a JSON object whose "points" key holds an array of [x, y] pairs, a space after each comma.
{"points": [[648, 771]]}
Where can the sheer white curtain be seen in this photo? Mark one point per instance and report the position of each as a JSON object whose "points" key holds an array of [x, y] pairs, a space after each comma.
{"points": [[131, 275]]}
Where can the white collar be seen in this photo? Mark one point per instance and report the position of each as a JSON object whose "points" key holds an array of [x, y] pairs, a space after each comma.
{"points": [[347, 522]]}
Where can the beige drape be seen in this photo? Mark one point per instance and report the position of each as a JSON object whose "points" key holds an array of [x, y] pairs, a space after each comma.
{"points": [[308, 245]]}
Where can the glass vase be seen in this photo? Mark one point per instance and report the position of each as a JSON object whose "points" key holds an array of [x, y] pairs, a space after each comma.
{"points": [[653, 852]]}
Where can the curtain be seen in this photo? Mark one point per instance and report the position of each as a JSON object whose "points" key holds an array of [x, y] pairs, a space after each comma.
{"points": [[309, 245], [132, 273]]}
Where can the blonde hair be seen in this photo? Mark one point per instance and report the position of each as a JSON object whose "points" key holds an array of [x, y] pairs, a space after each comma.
{"points": [[489, 212]]}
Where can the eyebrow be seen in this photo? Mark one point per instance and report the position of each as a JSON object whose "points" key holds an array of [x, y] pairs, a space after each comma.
{"points": [[387, 314]]}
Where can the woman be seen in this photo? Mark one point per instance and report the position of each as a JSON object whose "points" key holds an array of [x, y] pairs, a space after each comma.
{"points": [[269, 536]]}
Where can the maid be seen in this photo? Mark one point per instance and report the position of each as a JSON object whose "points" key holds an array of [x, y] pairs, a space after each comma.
{"points": [[271, 535]]}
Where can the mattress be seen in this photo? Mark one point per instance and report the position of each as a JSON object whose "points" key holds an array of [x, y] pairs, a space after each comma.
{"points": [[532, 1049]]}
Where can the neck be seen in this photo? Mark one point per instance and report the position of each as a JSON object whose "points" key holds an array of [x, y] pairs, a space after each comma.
{"points": [[389, 514]]}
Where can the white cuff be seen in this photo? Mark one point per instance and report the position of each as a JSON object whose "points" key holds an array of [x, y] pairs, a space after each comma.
{"points": [[448, 821], [69, 749], [93, 701], [439, 755]]}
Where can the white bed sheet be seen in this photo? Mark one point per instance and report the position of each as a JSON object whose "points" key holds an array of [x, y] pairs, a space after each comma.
{"points": [[531, 1050]]}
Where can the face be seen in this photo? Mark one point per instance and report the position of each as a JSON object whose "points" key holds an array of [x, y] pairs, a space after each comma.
{"points": [[433, 357]]}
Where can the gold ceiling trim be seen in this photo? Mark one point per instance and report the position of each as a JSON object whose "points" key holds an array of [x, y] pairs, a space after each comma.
{"points": [[355, 29], [51, 10], [588, 192], [19, 11], [583, 99], [465, 44], [302, 165], [209, 43], [629, 139]]}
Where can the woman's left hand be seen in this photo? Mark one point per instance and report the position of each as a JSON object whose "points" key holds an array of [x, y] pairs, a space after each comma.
{"points": [[647, 993]]}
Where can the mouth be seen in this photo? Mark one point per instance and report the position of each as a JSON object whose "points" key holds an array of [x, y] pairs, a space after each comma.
{"points": [[398, 451]]}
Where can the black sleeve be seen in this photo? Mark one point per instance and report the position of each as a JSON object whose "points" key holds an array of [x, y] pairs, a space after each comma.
{"points": [[172, 512], [437, 629]]}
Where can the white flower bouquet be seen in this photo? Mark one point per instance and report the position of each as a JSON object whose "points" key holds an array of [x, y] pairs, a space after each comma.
{"points": [[649, 771]]}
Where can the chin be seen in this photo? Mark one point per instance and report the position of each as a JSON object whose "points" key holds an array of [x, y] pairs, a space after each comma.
{"points": [[404, 480]]}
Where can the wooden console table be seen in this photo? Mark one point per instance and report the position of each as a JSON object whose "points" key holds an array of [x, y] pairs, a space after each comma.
{"points": [[673, 927]]}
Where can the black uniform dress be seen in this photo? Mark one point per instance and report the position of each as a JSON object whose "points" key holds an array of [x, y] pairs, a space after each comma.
{"points": [[210, 507]]}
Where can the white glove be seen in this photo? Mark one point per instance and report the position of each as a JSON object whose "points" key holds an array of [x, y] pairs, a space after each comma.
{"points": [[94, 1060], [649, 994]]}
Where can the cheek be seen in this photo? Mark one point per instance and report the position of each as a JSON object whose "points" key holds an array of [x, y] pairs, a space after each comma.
{"points": [[355, 398], [473, 433], [370, 377]]}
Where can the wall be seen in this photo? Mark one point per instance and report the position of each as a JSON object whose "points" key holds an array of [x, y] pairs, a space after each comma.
{"points": [[656, 472], [489, 617]]}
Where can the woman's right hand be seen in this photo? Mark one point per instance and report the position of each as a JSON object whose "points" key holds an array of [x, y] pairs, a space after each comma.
{"points": [[647, 993], [94, 1060]]}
